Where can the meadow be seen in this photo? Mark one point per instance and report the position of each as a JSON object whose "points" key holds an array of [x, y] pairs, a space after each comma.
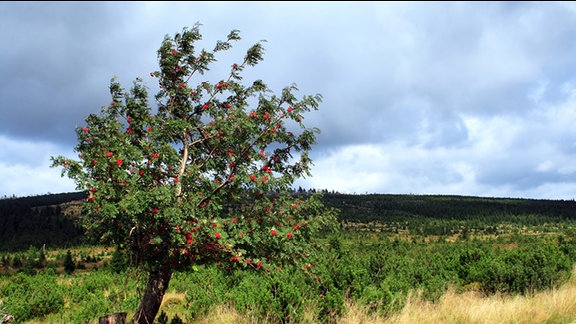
{"points": [[395, 259]]}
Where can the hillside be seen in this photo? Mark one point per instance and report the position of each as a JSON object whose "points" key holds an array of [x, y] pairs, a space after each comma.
{"points": [[54, 219], [390, 207]]}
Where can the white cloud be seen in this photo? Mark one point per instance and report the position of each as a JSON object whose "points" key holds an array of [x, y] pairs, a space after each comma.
{"points": [[24, 181], [392, 168], [25, 168], [530, 155], [462, 98]]}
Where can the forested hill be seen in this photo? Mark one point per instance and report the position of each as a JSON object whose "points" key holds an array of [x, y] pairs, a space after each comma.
{"points": [[43, 200], [444, 215], [390, 207], [54, 219]]}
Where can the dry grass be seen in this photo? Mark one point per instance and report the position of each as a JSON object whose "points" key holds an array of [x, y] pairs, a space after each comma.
{"points": [[172, 300], [223, 314], [553, 306]]}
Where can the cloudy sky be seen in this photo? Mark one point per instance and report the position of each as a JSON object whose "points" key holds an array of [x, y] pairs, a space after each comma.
{"points": [[460, 98]]}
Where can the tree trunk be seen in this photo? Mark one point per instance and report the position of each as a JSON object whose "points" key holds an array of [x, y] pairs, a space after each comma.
{"points": [[150, 303]]}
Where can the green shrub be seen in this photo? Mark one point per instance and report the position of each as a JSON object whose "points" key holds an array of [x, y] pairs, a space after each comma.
{"points": [[69, 264], [252, 295], [287, 289], [206, 288], [162, 318], [28, 297], [119, 262], [524, 270], [176, 320]]}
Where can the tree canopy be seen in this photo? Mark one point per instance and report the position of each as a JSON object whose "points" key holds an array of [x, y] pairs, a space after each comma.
{"points": [[204, 176]]}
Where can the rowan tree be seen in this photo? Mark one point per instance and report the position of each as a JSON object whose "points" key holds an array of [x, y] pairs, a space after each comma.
{"points": [[204, 176]]}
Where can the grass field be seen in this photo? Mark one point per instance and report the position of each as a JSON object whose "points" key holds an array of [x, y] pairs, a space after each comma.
{"points": [[554, 306]]}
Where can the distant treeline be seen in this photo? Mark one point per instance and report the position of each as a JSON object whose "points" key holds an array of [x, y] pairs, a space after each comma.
{"points": [[49, 219], [40, 220], [390, 207], [450, 215], [43, 200]]}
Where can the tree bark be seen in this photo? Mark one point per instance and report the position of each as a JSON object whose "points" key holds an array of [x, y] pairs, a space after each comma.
{"points": [[152, 299]]}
